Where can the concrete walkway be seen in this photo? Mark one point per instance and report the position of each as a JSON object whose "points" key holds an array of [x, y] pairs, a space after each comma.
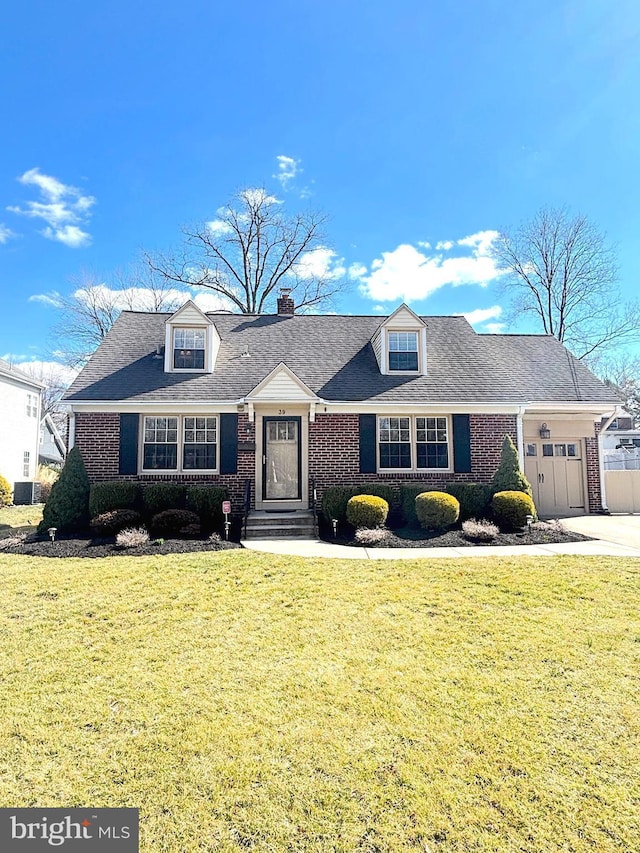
{"points": [[616, 536]]}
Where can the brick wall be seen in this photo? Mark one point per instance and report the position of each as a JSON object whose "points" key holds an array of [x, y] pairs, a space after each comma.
{"points": [[593, 475], [334, 452], [97, 436]]}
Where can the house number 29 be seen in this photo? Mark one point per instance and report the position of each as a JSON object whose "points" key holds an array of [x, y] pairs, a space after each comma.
{"points": [[282, 411]]}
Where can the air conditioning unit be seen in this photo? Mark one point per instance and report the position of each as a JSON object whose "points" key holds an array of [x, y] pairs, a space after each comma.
{"points": [[27, 492]]}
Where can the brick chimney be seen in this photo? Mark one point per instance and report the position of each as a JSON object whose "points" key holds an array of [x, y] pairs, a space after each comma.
{"points": [[286, 304]]}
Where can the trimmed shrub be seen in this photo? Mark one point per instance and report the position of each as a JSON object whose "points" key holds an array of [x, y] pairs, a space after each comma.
{"points": [[371, 535], [479, 530], [474, 498], [68, 504], [508, 476], [335, 500], [170, 522], [158, 497], [12, 541], [511, 508], [367, 511], [206, 501], [437, 510], [379, 490], [5, 491], [114, 494], [110, 523], [191, 531], [408, 494], [132, 537]]}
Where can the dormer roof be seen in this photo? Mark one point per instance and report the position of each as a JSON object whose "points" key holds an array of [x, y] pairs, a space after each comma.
{"points": [[189, 315]]}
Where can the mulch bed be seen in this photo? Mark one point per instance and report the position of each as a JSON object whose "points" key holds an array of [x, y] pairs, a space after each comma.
{"points": [[88, 547], [409, 537]]}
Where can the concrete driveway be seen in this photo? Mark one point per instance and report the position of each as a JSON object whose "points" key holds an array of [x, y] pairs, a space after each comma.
{"points": [[621, 529]]}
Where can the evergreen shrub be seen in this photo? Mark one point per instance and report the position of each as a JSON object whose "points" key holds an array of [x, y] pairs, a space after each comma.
{"points": [[408, 494], [113, 494], [170, 522], [206, 501], [474, 498], [508, 476], [68, 506], [334, 501], [157, 497], [511, 508], [437, 510], [367, 511], [112, 522]]}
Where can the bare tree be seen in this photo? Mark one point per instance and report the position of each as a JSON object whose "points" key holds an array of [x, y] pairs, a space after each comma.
{"points": [[563, 272], [92, 307], [251, 250], [621, 372]]}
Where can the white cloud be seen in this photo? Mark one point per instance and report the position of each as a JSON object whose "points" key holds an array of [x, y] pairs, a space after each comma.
{"points": [[320, 263], [54, 299], [443, 245], [63, 208], [481, 315], [411, 275], [288, 170], [494, 328], [5, 233], [218, 227], [48, 371], [258, 195]]}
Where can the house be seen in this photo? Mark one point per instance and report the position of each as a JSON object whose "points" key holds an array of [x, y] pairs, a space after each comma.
{"points": [[20, 405], [52, 450], [286, 400]]}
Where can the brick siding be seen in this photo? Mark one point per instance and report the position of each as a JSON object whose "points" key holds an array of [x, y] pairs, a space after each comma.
{"points": [[593, 475]]}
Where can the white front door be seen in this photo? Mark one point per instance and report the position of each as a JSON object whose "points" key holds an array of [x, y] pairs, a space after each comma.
{"points": [[555, 471], [281, 459]]}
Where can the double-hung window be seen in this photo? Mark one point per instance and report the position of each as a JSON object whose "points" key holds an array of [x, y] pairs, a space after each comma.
{"points": [[188, 443], [413, 443], [403, 351], [189, 349]]}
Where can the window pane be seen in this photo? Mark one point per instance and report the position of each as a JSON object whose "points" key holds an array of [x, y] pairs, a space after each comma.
{"points": [[560, 449], [432, 456], [571, 450], [395, 455], [547, 449], [188, 359], [199, 456], [403, 361], [160, 456], [531, 450]]}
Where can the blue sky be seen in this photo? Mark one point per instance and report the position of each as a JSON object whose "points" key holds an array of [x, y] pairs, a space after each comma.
{"points": [[414, 125]]}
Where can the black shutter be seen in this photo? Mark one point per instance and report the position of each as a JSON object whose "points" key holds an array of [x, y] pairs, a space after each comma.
{"points": [[461, 444], [128, 444], [228, 444], [367, 444]]}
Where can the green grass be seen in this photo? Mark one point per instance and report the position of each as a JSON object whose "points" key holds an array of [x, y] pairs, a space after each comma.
{"points": [[265, 703], [15, 519]]}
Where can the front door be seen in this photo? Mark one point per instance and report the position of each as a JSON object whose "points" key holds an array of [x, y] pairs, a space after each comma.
{"points": [[554, 469], [281, 459]]}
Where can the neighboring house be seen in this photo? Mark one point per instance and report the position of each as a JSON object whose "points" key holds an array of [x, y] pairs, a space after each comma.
{"points": [[52, 450], [286, 400], [20, 404], [620, 444]]}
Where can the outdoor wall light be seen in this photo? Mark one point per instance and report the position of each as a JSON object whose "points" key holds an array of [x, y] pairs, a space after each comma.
{"points": [[545, 432]]}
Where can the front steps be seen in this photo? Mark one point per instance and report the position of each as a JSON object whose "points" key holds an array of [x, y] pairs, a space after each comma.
{"points": [[280, 525]]}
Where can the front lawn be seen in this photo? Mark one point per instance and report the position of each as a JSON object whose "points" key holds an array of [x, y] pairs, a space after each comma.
{"points": [[16, 519], [265, 703]]}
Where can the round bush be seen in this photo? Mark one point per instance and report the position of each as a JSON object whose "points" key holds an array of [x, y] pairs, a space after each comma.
{"points": [[510, 509], [111, 523], [5, 491], [437, 510], [172, 521], [367, 511]]}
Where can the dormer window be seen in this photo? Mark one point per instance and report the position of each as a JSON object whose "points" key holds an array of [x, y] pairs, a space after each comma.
{"points": [[189, 349], [403, 351]]}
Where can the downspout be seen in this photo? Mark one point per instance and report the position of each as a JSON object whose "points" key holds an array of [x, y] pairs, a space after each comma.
{"points": [[603, 486], [520, 436], [71, 434]]}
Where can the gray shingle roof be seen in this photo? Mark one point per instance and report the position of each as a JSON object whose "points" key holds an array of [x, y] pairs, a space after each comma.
{"points": [[333, 356]]}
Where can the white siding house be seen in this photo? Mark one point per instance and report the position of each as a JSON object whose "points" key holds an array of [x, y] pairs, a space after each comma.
{"points": [[20, 405]]}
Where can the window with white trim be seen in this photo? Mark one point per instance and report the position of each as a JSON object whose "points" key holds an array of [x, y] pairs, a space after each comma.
{"points": [[413, 443], [32, 406], [187, 443], [189, 349], [403, 351], [26, 463]]}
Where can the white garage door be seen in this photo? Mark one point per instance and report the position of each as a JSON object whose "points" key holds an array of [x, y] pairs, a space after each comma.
{"points": [[555, 471]]}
